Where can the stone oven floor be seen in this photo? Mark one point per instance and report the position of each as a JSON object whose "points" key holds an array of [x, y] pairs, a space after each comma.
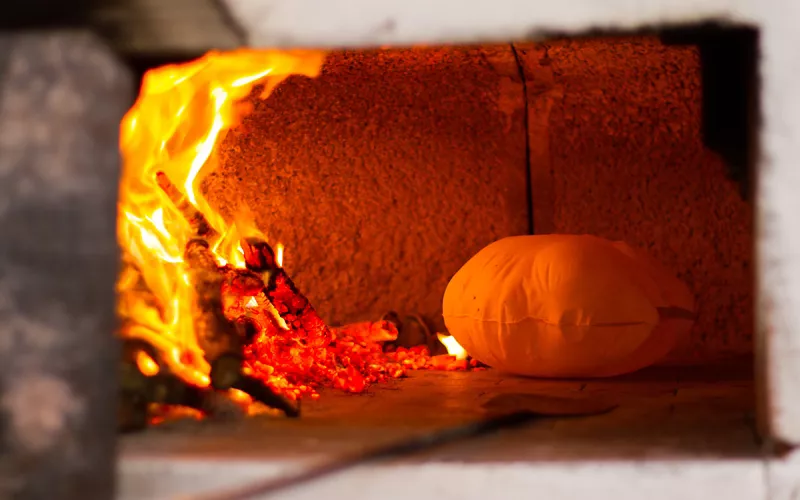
{"points": [[667, 420]]}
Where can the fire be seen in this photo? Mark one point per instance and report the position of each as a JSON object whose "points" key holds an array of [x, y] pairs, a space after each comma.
{"points": [[240, 397], [452, 346], [182, 258], [168, 138], [279, 254], [146, 364]]}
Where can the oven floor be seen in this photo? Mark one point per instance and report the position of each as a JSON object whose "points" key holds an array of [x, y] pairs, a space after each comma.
{"points": [[665, 415]]}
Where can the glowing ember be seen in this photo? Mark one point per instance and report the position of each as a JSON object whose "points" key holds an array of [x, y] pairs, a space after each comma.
{"points": [[203, 290], [239, 397]]}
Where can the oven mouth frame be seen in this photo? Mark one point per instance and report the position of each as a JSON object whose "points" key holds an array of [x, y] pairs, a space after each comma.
{"points": [[777, 359]]}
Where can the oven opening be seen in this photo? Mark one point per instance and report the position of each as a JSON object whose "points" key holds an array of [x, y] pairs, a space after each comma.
{"points": [[328, 254]]}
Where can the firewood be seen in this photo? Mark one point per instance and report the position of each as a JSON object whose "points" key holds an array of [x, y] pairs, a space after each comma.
{"points": [[295, 309], [248, 328], [264, 394], [221, 339], [216, 334], [132, 401], [227, 371], [194, 217], [137, 390], [243, 283]]}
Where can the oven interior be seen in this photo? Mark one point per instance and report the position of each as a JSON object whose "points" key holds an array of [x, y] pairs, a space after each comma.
{"points": [[386, 172]]}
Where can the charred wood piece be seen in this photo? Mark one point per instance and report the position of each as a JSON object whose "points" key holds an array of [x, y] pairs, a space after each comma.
{"points": [[226, 373], [259, 256], [248, 328], [221, 339], [291, 304], [216, 334], [243, 282], [194, 217], [132, 404], [264, 394], [137, 390]]}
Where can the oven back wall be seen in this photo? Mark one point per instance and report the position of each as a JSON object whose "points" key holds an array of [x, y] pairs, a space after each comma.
{"points": [[383, 175], [390, 170], [616, 151]]}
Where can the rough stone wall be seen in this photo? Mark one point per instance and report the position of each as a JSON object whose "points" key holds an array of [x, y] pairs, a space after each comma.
{"points": [[623, 158], [383, 175], [62, 96]]}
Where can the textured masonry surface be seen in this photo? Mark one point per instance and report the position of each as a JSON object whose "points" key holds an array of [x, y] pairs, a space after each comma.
{"points": [[59, 166]]}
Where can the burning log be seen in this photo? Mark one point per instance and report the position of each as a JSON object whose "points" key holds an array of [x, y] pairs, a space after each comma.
{"points": [[292, 305], [145, 384], [141, 386], [228, 374], [248, 328], [194, 217], [216, 335], [241, 283], [132, 401], [221, 339]]}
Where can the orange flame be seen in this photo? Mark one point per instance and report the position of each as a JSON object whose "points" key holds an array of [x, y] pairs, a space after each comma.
{"points": [[239, 397], [146, 364], [452, 346], [279, 254], [181, 114]]}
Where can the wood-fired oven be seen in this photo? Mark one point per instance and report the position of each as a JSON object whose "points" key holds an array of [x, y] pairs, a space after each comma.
{"points": [[332, 176]]}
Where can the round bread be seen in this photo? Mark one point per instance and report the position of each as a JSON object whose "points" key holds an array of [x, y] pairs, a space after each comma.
{"points": [[565, 306]]}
